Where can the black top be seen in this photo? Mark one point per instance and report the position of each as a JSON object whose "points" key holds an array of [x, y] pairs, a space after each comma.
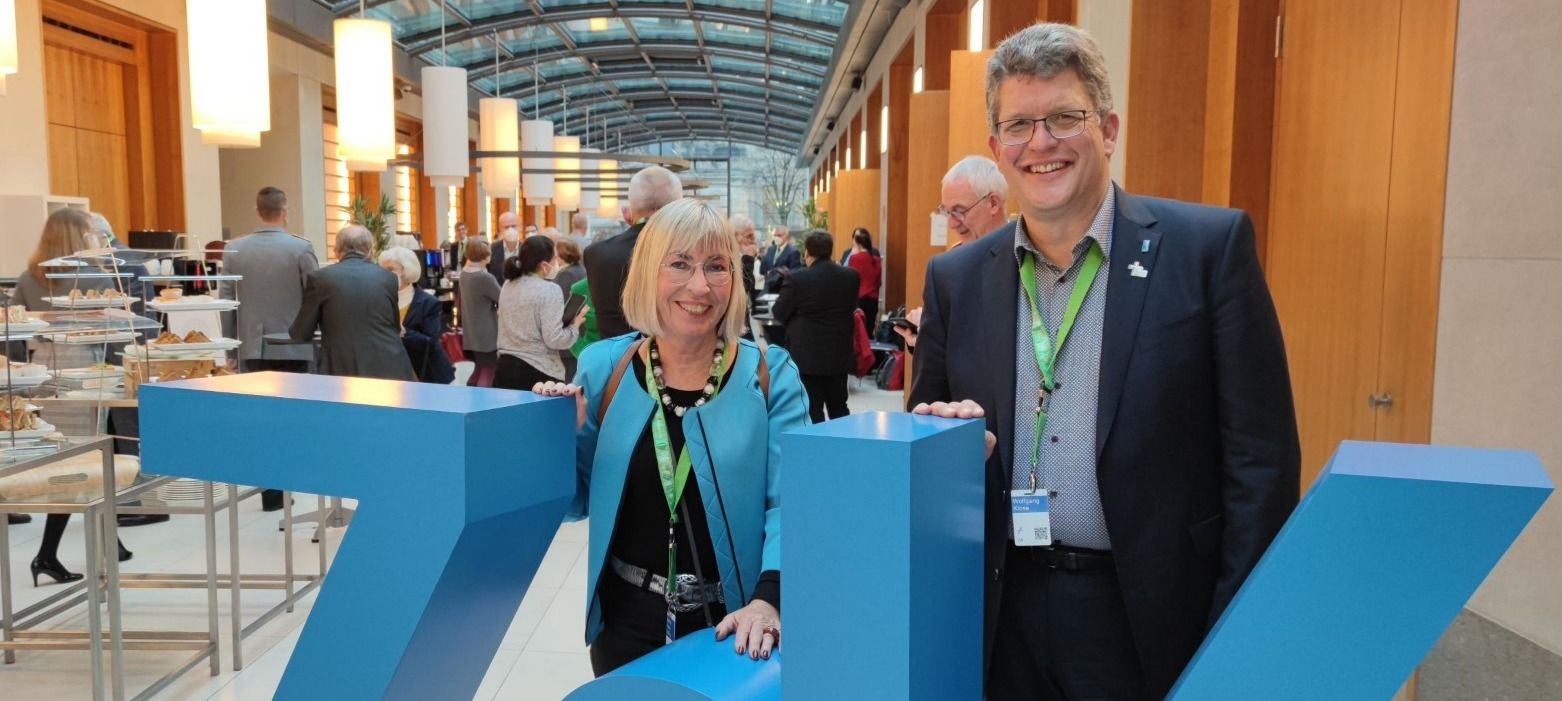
{"points": [[607, 267], [640, 538]]}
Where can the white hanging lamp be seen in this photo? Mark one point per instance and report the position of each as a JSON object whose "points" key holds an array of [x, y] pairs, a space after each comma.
{"points": [[536, 135], [497, 131], [230, 83], [590, 196], [9, 63], [566, 190], [446, 160], [365, 94], [607, 179]]}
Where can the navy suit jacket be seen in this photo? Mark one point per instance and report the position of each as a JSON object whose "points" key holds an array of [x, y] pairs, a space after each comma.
{"points": [[1197, 453], [420, 332]]}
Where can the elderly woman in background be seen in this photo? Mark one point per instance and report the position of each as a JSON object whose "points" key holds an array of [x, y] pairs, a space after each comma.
{"points": [[679, 448], [420, 318], [479, 312], [532, 328]]}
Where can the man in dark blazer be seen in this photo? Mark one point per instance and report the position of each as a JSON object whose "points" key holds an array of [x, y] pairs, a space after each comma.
{"points": [[817, 305], [506, 245], [607, 261], [353, 304], [1169, 447], [779, 255]]}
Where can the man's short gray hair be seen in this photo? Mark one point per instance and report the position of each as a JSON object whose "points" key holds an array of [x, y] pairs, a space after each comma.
{"points": [[1044, 50], [741, 223], [981, 174], [100, 225], [353, 238], [651, 189], [579, 221]]}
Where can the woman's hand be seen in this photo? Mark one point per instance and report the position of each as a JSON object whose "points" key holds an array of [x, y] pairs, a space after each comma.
{"points": [[758, 629], [580, 317], [965, 409], [560, 389]]}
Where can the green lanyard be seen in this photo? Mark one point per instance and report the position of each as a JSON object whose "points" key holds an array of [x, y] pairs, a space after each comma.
{"points": [[1046, 351], [674, 477]]}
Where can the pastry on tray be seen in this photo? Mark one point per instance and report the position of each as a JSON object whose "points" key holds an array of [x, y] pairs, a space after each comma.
{"points": [[75, 295], [17, 420], [167, 338], [113, 294], [94, 294], [197, 337], [17, 314], [174, 375], [169, 294], [221, 372]]}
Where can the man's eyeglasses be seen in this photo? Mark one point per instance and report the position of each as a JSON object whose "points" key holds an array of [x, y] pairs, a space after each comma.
{"points": [[958, 212], [680, 271], [1061, 125]]}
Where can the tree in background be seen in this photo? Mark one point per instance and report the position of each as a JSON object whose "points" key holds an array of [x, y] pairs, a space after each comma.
{"points": [[782, 186], [374, 219]]}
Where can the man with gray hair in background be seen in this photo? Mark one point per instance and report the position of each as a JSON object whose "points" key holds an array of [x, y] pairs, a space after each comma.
{"points": [[972, 198], [354, 306], [578, 225], [607, 262]]}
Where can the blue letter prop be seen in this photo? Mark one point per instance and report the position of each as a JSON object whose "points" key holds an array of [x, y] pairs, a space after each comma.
{"points": [[883, 575], [1365, 576], [460, 491]]}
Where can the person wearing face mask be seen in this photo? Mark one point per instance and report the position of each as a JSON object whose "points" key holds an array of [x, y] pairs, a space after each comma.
{"points": [[420, 318], [779, 255], [506, 247], [532, 329]]}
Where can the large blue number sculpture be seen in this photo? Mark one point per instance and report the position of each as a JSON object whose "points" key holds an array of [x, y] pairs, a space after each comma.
{"points": [[1368, 572], [460, 492]]}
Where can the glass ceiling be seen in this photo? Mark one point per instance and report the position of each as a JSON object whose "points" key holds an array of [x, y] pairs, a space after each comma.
{"points": [[641, 71]]}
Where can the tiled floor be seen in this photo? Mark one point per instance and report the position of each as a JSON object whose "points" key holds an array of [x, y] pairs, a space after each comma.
{"points": [[542, 656]]}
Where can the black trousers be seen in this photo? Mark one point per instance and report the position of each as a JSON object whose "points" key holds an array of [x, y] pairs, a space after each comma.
{"points": [[826, 394], [634, 624], [514, 373], [870, 313], [1062, 635]]}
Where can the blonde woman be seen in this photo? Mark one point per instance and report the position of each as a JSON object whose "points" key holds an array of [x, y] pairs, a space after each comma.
{"points": [[687, 399]]}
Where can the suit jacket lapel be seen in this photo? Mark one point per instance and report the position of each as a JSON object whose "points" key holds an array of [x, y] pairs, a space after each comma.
{"points": [[999, 292], [1125, 297]]}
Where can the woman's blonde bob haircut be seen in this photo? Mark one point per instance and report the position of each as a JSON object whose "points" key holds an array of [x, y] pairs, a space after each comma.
{"points": [[684, 226]]}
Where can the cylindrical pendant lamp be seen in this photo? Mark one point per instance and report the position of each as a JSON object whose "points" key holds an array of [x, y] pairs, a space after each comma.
{"points": [[365, 95], [566, 191], [9, 64], [607, 177], [230, 70], [445, 155], [537, 135], [497, 131], [590, 199]]}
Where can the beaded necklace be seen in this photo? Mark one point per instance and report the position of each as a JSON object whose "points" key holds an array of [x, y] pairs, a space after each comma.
{"points": [[705, 394]]}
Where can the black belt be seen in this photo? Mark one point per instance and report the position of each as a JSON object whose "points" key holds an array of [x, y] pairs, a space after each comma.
{"points": [[1059, 557]]}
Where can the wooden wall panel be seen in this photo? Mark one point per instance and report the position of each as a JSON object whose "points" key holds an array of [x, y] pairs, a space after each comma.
{"points": [[1167, 84], [102, 169], [165, 144], [99, 93], [1423, 100], [968, 124], [925, 167], [945, 33], [874, 115], [897, 222], [57, 83], [62, 160], [1005, 17], [1330, 202], [856, 205]]}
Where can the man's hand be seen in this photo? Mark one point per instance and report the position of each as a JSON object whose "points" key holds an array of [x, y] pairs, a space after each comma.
{"points": [[964, 409]]}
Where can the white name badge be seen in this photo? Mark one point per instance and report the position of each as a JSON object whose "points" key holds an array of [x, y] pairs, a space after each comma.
{"points": [[1031, 516]]}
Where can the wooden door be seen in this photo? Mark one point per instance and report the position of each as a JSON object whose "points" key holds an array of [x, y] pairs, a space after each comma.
{"points": [[1360, 147], [88, 143]]}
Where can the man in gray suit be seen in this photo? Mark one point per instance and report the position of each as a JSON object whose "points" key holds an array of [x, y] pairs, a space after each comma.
{"points": [[274, 264], [353, 304]]}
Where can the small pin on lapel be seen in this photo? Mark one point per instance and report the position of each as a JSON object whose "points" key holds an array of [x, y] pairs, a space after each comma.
{"points": [[1137, 270], [1144, 246]]}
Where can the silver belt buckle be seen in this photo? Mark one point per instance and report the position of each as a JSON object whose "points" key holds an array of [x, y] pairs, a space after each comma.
{"points": [[685, 595]]}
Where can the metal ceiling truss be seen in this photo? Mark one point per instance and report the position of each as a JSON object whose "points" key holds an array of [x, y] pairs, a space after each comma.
{"points": [[776, 119]]}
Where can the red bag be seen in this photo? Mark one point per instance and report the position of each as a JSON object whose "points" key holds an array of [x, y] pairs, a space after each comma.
{"points": [[453, 343], [862, 349]]}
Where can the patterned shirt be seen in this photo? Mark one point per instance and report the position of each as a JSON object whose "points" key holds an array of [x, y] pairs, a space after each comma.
{"points": [[1068, 449]]}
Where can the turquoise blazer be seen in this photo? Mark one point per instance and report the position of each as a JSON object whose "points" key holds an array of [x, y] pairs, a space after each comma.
{"points": [[734, 444]]}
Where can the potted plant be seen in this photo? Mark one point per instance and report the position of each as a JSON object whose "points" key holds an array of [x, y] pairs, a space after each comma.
{"points": [[375, 219]]}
